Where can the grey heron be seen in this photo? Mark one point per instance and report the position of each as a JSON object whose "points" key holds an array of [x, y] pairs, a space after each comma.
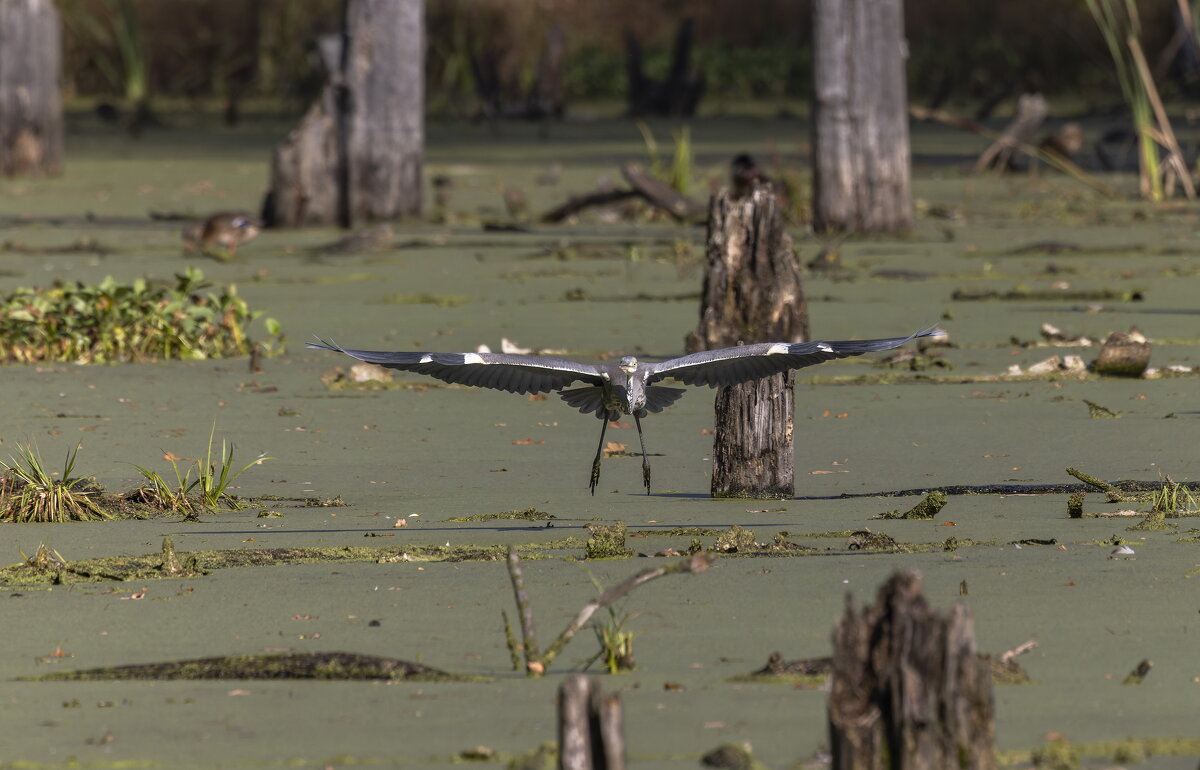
{"points": [[629, 387]]}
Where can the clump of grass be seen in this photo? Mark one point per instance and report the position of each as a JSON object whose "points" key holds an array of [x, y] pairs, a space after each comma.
{"points": [[112, 321], [29, 493], [616, 643], [680, 171], [1120, 25], [1173, 499], [209, 490]]}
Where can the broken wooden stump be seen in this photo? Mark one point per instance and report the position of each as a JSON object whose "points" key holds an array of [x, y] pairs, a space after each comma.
{"points": [[1123, 354], [908, 689], [752, 293], [590, 731]]}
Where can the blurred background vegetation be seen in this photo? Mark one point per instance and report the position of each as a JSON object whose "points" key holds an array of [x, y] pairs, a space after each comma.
{"points": [[980, 52]]}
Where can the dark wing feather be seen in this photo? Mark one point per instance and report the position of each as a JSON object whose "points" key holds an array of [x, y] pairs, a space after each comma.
{"points": [[499, 371], [659, 398], [745, 363], [589, 399]]}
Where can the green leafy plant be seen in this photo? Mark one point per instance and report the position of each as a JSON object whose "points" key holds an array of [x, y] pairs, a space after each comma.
{"points": [[29, 493], [208, 490], [111, 321], [616, 643]]}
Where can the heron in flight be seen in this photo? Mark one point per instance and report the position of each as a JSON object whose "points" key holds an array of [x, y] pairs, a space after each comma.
{"points": [[629, 387]]}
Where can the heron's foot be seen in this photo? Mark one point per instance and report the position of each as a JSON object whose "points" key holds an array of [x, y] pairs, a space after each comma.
{"points": [[646, 476], [595, 476]]}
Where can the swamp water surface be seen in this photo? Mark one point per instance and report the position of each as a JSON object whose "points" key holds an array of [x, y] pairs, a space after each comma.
{"points": [[433, 454]]}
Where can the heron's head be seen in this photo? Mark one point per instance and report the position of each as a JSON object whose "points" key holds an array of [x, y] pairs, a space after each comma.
{"points": [[629, 364]]}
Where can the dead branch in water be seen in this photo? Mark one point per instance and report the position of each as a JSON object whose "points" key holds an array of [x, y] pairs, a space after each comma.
{"points": [[537, 662]]}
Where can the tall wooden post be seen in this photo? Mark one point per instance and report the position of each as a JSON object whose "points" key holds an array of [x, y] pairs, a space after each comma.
{"points": [[908, 691], [861, 159], [31, 130], [752, 293], [356, 155]]}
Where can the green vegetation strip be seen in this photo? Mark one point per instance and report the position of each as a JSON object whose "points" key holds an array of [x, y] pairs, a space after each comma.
{"points": [[113, 322], [47, 566]]}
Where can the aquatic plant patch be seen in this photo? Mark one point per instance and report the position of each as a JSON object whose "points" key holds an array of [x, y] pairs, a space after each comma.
{"points": [[141, 321]]}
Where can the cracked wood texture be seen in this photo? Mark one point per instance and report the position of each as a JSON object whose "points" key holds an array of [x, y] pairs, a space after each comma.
{"points": [[908, 691], [752, 293], [356, 155], [31, 126], [861, 161]]}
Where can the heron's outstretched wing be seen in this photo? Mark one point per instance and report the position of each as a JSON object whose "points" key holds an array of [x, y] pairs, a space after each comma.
{"points": [[499, 371], [731, 366]]}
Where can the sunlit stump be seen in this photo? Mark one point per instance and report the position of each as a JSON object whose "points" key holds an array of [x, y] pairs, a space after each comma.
{"points": [[752, 293], [908, 690]]}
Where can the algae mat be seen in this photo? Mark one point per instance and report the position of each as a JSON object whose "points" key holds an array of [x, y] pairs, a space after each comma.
{"points": [[433, 454]]}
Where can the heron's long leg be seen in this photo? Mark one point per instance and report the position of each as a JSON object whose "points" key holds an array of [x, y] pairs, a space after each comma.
{"points": [[599, 452], [645, 460]]}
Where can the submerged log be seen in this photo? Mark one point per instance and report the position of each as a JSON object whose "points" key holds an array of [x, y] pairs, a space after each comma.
{"points": [[752, 293], [908, 689], [590, 731], [660, 194]]}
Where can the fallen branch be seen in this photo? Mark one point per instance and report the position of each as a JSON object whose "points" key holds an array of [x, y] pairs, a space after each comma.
{"points": [[577, 203], [1052, 159], [536, 663], [525, 609], [660, 194]]}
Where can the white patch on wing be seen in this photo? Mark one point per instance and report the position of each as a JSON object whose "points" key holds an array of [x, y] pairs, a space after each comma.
{"points": [[425, 359], [472, 358], [824, 348], [779, 348]]}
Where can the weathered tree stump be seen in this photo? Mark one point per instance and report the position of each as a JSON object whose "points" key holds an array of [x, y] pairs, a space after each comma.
{"points": [[861, 161], [752, 293], [31, 131], [590, 731], [356, 155], [1123, 354], [908, 690], [1031, 113]]}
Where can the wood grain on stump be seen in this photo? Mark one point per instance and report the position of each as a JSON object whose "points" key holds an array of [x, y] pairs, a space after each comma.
{"points": [[752, 293], [908, 690]]}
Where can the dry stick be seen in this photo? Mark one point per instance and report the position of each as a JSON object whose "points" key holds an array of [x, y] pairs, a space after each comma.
{"points": [[525, 608], [1020, 649], [1103, 486], [697, 562], [1050, 158], [511, 641], [1167, 138]]}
